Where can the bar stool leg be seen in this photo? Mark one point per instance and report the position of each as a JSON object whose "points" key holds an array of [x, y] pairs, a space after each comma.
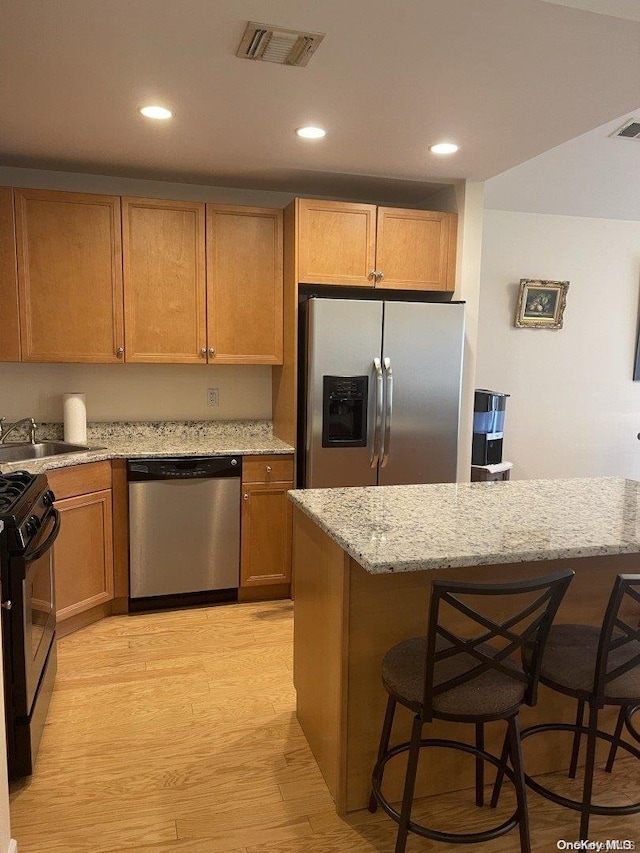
{"points": [[497, 785], [575, 751], [616, 740], [409, 785], [385, 737], [479, 765], [588, 772], [515, 751]]}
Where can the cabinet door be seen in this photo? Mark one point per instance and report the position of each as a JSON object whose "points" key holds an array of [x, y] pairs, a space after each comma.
{"points": [[266, 534], [416, 249], [10, 332], [83, 554], [69, 276], [244, 285], [164, 280], [336, 242]]}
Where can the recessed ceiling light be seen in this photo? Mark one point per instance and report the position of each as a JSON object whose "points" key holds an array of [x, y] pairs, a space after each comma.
{"points": [[156, 112], [443, 148], [311, 132]]}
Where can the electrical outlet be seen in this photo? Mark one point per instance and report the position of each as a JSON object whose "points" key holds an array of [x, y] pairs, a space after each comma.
{"points": [[212, 396]]}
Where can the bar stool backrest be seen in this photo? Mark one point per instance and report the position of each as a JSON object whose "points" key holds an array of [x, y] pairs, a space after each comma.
{"points": [[492, 642], [618, 632]]}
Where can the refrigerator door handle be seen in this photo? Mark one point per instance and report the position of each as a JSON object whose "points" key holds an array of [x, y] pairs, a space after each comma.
{"points": [[375, 452], [387, 421]]}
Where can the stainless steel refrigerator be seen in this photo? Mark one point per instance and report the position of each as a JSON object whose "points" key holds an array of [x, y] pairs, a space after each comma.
{"points": [[380, 388]]}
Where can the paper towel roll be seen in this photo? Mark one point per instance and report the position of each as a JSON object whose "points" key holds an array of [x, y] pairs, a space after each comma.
{"points": [[75, 418]]}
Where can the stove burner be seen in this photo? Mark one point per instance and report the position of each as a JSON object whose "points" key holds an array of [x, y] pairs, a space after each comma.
{"points": [[12, 487]]}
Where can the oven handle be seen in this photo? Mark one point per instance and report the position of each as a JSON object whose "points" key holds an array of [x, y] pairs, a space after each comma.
{"points": [[30, 556]]}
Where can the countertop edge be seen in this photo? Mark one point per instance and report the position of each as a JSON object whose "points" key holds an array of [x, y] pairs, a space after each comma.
{"points": [[462, 560], [69, 460]]}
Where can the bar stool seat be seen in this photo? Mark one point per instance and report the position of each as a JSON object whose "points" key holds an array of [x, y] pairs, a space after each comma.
{"points": [[468, 668], [598, 667], [570, 658], [490, 694]]}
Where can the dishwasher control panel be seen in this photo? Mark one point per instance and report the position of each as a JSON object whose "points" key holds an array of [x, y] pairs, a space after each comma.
{"points": [[183, 468]]}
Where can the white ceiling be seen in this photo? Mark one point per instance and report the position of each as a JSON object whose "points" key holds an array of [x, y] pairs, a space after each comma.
{"points": [[594, 175], [506, 79]]}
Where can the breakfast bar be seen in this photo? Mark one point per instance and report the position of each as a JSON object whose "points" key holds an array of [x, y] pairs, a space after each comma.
{"points": [[364, 560]]}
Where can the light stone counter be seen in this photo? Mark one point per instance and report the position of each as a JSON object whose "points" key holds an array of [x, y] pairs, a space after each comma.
{"points": [[359, 561], [131, 440], [412, 528]]}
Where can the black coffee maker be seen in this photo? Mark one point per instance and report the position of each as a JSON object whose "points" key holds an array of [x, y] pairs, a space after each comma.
{"points": [[488, 427]]}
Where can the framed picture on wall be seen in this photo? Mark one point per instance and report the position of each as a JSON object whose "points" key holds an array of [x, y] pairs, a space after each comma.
{"points": [[541, 303]]}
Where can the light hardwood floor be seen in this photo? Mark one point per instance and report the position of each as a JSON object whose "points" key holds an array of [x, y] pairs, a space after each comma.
{"points": [[177, 732]]}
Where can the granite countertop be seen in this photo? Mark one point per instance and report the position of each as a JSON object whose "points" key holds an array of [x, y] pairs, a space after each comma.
{"points": [[131, 440], [413, 528]]}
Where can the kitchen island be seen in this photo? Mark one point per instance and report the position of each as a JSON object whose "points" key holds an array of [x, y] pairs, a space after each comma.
{"points": [[363, 562]]}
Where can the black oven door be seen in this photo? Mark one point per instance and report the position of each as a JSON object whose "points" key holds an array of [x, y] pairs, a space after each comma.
{"points": [[33, 612]]}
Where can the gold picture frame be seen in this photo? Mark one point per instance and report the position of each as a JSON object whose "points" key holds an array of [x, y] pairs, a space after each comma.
{"points": [[541, 304]]}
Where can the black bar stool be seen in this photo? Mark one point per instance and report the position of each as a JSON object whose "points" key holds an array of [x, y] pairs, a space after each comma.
{"points": [[598, 667], [448, 675]]}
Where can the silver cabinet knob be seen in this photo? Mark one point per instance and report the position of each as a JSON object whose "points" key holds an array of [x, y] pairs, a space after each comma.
{"points": [[268, 469], [379, 276], [203, 351], [245, 497], [373, 274], [212, 351], [6, 605], [120, 352]]}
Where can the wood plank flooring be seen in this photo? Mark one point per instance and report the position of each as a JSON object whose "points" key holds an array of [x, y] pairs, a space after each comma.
{"points": [[177, 732]]}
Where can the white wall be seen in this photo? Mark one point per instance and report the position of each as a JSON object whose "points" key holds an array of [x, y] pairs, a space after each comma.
{"points": [[470, 220], [137, 392], [574, 409]]}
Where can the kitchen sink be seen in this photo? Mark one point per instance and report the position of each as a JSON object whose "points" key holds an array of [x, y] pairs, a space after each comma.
{"points": [[24, 451]]}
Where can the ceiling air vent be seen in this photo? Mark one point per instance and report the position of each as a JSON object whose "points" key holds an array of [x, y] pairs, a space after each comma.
{"points": [[629, 130], [276, 44]]}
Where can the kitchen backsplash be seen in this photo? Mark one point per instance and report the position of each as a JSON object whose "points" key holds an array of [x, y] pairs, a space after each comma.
{"points": [[174, 430]]}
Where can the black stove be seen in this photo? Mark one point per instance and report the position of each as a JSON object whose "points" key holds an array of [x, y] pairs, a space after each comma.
{"points": [[29, 525], [12, 486], [25, 501]]}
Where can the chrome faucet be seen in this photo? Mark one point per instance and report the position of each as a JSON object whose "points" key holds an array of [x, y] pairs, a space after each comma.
{"points": [[5, 430]]}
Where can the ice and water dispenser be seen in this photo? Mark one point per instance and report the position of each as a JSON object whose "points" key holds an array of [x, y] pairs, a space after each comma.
{"points": [[488, 427], [344, 411]]}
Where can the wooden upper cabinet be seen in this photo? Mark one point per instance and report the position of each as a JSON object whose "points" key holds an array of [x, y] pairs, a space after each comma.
{"points": [[362, 245], [164, 280], [336, 242], [416, 249], [69, 276], [244, 285], [10, 329]]}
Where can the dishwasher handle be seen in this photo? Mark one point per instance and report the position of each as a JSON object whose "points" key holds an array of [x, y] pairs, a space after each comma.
{"points": [[183, 468]]}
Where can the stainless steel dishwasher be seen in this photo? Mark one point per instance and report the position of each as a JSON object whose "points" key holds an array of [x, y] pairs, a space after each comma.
{"points": [[184, 531]]}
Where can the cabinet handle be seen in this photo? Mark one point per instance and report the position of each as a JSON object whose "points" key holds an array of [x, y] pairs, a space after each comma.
{"points": [[373, 274], [245, 497], [6, 605], [203, 351], [379, 276], [212, 351], [268, 469], [120, 352]]}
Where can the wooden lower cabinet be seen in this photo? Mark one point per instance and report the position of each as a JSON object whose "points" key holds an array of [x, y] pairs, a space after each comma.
{"points": [[83, 551], [265, 559]]}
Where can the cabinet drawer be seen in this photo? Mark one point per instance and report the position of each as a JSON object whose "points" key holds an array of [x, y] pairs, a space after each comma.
{"points": [[267, 469], [79, 479]]}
